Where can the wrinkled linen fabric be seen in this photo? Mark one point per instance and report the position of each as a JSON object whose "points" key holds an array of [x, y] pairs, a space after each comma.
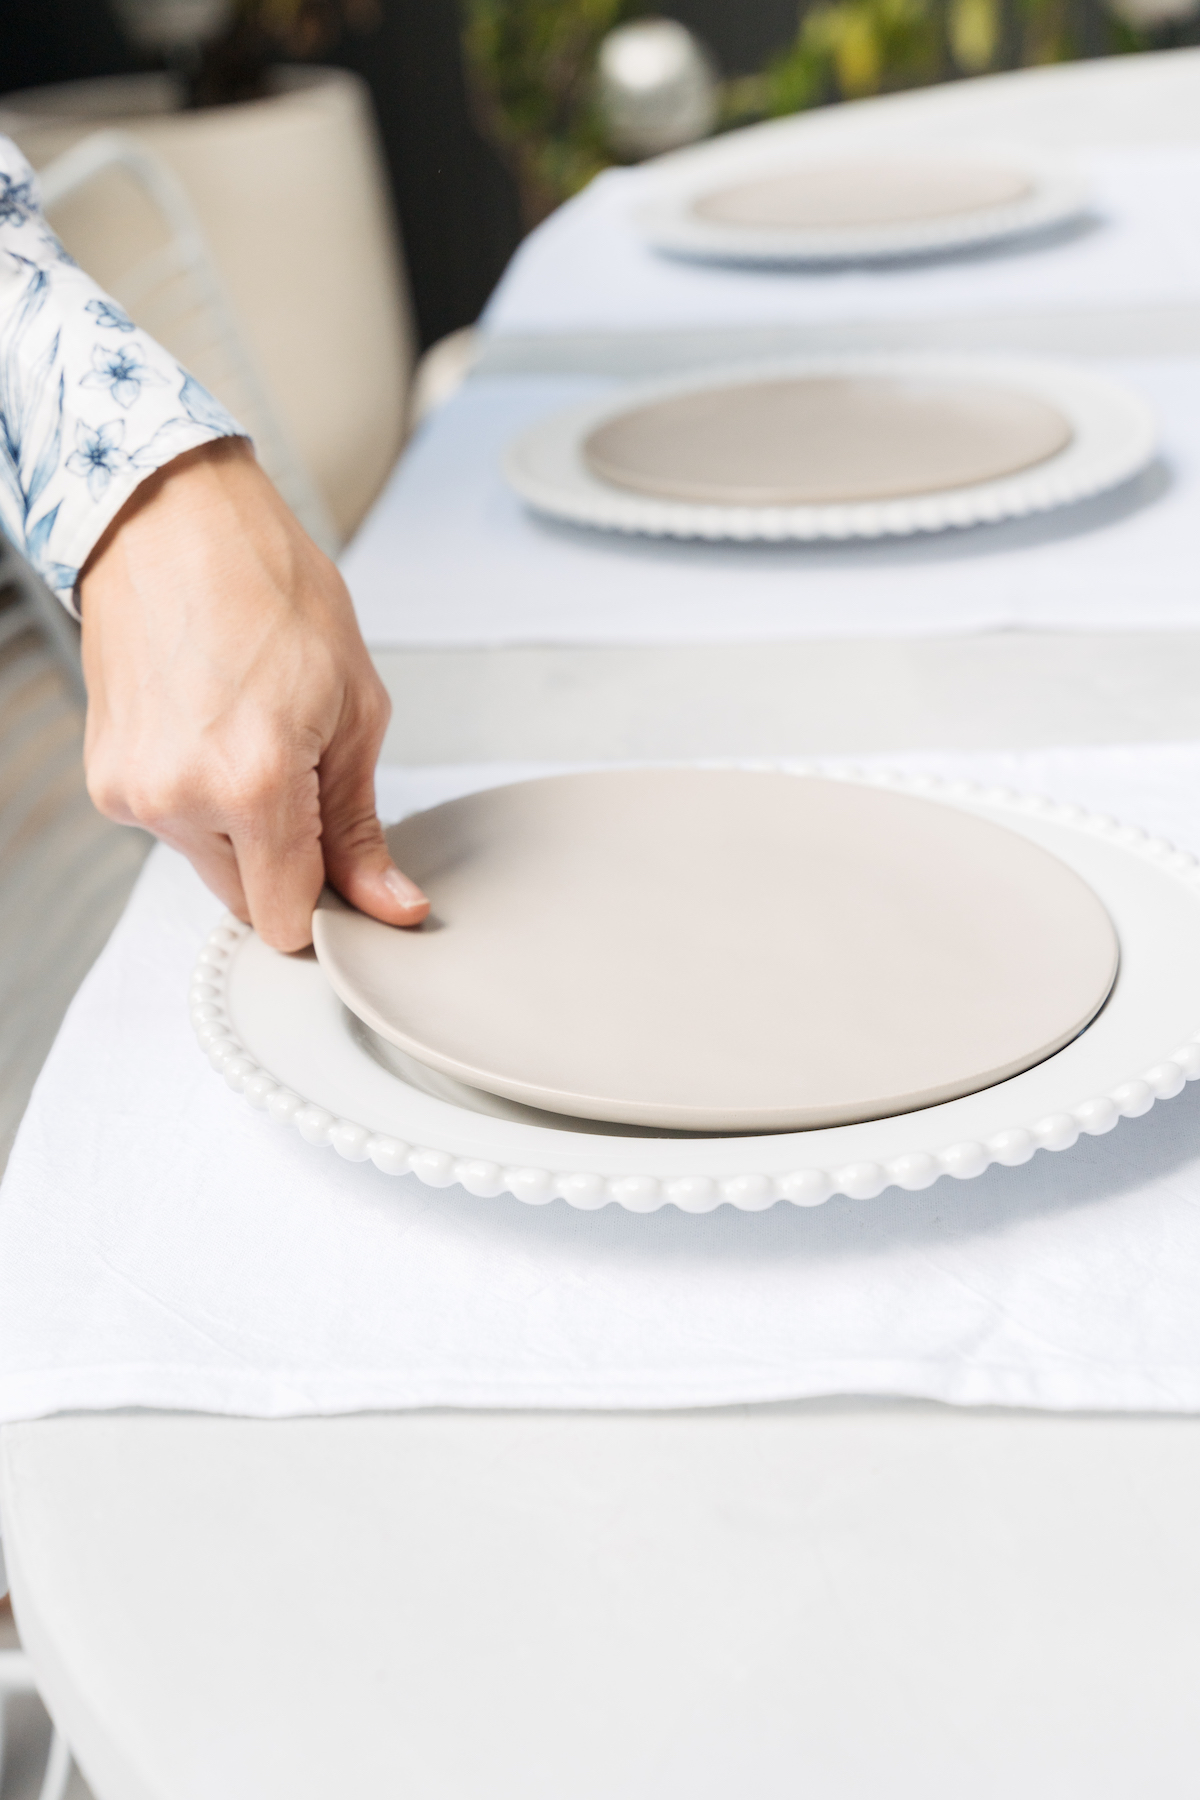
{"points": [[89, 404], [162, 1244]]}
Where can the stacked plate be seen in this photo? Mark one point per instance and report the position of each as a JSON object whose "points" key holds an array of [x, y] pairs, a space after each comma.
{"points": [[737, 204], [835, 447], [706, 985]]}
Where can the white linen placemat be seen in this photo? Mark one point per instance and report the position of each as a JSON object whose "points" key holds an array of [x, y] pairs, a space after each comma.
{"points": [[449, 555], [586, 268], [162, 1244]]}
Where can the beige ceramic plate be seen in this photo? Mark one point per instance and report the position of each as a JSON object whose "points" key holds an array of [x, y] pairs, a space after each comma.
{"points": [[718, 950], [821, 440], [847, 196], [732, 202]]}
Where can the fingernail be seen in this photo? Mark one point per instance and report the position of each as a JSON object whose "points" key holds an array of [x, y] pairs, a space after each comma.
{"points": [[402, 890]]}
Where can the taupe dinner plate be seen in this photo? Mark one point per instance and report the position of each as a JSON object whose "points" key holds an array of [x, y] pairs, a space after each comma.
{"points": [[850, 195], [825, 439], [719, 950]]}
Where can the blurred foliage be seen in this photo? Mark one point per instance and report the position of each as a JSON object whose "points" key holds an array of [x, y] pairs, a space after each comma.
{"points": [[530, 66], [848, 49]]}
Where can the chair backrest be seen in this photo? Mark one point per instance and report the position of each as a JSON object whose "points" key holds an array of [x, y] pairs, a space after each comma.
{"points": [[174, 291]]}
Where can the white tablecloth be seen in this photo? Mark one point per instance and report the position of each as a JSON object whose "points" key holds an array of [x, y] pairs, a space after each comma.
{"points": [[163, 1245], [450, 556], [586, 268]]}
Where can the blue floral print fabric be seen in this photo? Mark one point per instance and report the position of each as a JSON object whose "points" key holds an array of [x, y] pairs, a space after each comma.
{"points": [[89, 405]]}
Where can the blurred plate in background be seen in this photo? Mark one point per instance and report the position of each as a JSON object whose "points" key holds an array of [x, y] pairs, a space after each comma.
{"points": [[861, 209], [835, 447]]}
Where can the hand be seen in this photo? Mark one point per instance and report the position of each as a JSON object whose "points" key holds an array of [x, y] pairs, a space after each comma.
{"points": [[232, 707]]}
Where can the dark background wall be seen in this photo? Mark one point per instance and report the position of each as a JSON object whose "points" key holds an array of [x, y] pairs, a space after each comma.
{"points": [[455, 199], [740, 33]]}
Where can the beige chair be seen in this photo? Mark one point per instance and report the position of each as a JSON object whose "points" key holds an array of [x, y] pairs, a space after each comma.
{"points": [[173, 289], [290, 196]]}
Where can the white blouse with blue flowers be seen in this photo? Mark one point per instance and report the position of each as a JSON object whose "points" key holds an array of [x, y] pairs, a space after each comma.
{"points": [[89, 405]]}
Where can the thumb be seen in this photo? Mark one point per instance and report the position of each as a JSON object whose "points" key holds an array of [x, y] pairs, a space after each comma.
{"points": [[357, 861]]}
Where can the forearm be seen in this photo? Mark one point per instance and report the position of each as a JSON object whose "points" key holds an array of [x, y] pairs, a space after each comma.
{"points": [[89, 405]]}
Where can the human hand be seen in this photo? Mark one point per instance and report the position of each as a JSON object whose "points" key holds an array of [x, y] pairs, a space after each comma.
{"points": [[232, 707]]}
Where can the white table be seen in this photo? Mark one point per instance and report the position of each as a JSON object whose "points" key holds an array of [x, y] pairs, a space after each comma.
{"points": [[830, 1600], [839, 1600]]}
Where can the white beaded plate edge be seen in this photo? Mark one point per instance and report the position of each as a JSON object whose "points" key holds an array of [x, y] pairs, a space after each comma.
{"points": [[1152, 890], [668, 224], [1115, 437]]}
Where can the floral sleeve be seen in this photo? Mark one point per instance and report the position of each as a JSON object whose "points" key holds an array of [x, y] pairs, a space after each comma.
{"points": [[89, 405]]}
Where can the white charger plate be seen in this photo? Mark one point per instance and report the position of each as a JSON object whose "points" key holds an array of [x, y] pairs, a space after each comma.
{"points": [[1055, 194], [272, 1026], [1113, 438]]}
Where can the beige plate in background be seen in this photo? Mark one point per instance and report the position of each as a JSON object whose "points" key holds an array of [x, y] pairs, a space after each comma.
{"points": [[912, 436], [721, 950], [738, 201], [817, 440], [847, 196]]}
